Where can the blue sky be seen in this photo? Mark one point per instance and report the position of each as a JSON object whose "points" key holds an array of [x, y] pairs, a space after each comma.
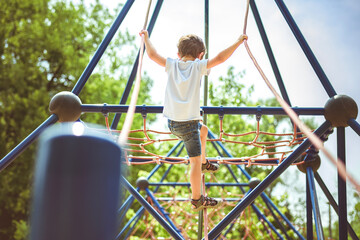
{"points": [[330, 27]]}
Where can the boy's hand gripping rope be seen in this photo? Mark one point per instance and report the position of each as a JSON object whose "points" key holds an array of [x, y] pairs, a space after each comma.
{"points": [[294, 117]]}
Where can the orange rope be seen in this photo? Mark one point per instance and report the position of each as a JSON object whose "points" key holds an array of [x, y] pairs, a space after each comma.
{"points": [[294, 117], [145, 141]]}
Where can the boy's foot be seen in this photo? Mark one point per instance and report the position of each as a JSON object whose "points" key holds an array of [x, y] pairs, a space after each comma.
{"points": [[209, 167], [205, 202]]}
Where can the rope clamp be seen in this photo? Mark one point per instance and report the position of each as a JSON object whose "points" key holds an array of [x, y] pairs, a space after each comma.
{"points": [[221, 113], [258, 113], [105, 110], [143, 111]]}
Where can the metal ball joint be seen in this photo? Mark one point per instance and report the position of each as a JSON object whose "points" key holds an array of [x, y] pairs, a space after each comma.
{"points": [[339, 110], [66, 105], [142, 183]]}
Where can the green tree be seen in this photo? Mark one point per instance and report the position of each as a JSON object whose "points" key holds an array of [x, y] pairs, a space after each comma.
{"points": [[45, 46]]}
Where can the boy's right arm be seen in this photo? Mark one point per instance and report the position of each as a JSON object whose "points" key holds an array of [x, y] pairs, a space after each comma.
{"points": [[151, 51], [226, 53]]}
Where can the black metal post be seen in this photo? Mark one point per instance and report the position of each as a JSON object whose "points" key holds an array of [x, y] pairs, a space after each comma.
{"points": [[306, 48], [150, 209], [26, 142], [315, 204], [333, 203], [354, 125], [342, 200], [309, 220], [132, 76], [101, 49], [269, 52]]}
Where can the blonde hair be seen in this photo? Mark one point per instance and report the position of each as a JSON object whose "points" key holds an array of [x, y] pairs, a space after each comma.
{"points": [[191, 45]]}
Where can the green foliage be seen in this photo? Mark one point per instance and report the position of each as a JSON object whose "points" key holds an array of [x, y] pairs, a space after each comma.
{"points": [[45, 46]]}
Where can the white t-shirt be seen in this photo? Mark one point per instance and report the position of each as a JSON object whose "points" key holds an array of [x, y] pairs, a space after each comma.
{"points": [[182, 94]]}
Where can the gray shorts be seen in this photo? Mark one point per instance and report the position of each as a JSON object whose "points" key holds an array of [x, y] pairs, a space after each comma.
{"points": [[189, 132]]}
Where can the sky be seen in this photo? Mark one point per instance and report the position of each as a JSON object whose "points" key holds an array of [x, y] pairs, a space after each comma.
{"points": [[330, 27]]}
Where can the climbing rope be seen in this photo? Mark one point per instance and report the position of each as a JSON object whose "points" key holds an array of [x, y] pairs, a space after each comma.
{"points": [[294, 117], [131, 110]]}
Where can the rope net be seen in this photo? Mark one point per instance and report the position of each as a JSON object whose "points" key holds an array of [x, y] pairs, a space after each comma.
{"points": [[266, 152], [174, 201]]}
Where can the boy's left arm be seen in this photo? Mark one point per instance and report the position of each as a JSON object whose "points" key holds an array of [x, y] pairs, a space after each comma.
{"points": [[226, 53]]}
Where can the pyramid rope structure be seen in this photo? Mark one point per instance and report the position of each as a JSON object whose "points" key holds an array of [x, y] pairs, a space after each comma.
{"points": [[334, 115]]}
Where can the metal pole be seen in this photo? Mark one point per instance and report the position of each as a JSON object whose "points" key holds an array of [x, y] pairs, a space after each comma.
{"points": [[343, 233], [26, 142], [354, 125], [269, 52], [309, 220], [306, 48], [333, 203], [315, 204], [161, 209], [157, 167], [101, 108], [132, 76], [101, 49], [206, 78], [150, 209]]}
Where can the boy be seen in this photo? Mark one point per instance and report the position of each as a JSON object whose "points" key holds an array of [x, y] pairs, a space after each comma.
{"points": [[182, 104]]}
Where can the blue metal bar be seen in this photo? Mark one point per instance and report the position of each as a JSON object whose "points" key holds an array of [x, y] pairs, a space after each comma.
{"points": [[343, 232], [309, 219], [182, 184], [206, 78], [306, 48], [269, 52], [333, 203], [283, 216], [101, 49], [206, 87], [131, 198], [265, 183], [135, 218], [126, 205], [131, 78], [262, 216], [141, 210], [281, 226], [354, 125], [101, 108], [162, 210], [259, 214], [26, 142], [315, 204], [150, 209]]}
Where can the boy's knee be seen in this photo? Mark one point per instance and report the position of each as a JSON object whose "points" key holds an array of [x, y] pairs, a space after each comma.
{"points": [[204, 128]]}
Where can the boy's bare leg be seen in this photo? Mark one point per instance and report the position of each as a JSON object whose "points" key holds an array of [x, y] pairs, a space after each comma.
{"points": [[203, 137], [195, 177]]}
